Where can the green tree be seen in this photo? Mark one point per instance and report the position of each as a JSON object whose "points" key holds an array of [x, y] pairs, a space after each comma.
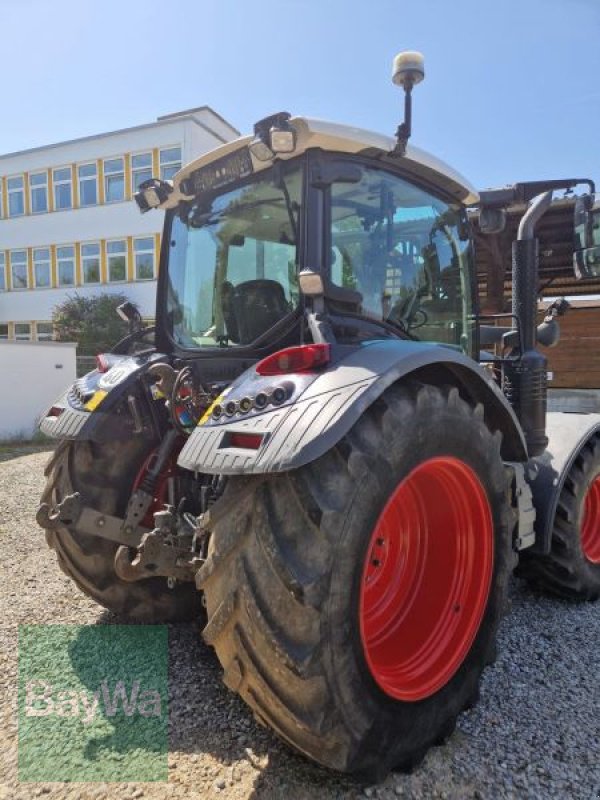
{"points": [[92, 322]]}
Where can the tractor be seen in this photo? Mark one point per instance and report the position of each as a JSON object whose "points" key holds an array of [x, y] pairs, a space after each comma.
{"points": [[324, 450]]}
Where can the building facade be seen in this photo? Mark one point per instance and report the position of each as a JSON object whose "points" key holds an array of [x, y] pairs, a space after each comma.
{"points": [[68, 223]]}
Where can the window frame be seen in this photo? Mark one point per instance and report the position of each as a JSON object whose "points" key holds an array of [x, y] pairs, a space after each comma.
{"points": [[144, 252], [308, 212], [135, 170], [61, 182], [402, 174], [60, 259], [2, 337], [87, 179], [169, 164], [84, 258], [21, 337], [45, 338], [47, 261], [10, 192], [36, 188], [3, 282], [112, 174], [12, 265], [110, 256]]}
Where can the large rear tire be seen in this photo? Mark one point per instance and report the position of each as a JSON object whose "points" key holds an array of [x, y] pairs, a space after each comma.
{"points": [[104, 474], [572, 567], [354, 602]]}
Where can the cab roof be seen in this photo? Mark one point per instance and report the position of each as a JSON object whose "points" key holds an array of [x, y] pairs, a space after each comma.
{"points": [[333, 137]]}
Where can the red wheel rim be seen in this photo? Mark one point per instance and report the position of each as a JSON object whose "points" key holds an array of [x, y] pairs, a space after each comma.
{"points": [[426, 579], [590, 524]]}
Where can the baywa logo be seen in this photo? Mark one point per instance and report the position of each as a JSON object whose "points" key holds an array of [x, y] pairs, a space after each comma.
{"points": [[42, 700], [93, 703]]}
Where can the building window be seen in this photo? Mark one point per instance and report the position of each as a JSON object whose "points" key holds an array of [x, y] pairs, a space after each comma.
{"points": [[2, 273], [16, 196], [38, 190], [170, 162], [44, 331], [88, 185], [65, 260], [63, 191], [114, 180], [90, 263], [23, 331], [4, 330], [144, 259], [41, 267], [18, 268], [116, 255], [141, 169]]}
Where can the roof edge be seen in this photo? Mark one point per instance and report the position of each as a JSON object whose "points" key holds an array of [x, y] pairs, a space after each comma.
{"points": [[191, 111], [168, 119]]}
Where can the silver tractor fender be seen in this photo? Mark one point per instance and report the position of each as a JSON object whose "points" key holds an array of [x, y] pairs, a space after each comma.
{"points": [[314, 411]]}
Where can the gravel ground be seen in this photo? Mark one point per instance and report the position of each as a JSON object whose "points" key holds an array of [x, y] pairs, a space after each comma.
{"points": [[535, 733]]}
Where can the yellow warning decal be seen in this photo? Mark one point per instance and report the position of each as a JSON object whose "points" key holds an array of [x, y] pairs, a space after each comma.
{"points": [[95, 400], [206, 416]]}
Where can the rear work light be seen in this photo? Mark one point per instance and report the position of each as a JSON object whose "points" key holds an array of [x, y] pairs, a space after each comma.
{"points": [[303, 358]]}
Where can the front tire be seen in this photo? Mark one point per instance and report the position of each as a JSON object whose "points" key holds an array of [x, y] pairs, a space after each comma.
{"points": [[358, 674], [104, 474]]}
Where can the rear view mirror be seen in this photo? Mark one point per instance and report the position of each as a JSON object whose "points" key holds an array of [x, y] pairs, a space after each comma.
{"points": [[586, 254], [584, 221], [586, 263], [492, 220]]}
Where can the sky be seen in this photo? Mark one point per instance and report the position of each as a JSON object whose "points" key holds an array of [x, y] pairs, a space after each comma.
{"points": [[512, 87]]}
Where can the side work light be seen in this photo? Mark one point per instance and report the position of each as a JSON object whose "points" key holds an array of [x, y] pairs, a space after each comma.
{"points": [[152, 193]]}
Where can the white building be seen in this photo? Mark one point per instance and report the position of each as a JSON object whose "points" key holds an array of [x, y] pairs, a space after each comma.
{"points": [[68, 223]]}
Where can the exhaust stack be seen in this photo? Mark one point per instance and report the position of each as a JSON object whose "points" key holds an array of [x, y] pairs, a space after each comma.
{"points": [[525, 378]]}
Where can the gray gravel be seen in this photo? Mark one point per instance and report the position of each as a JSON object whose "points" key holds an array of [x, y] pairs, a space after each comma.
{"points": [[535, 733]]}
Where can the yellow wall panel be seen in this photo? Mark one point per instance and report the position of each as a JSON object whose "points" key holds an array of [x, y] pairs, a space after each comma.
{"points": [[8, 270], [53, 268], [78, 275], [75, 186], [103, 268], [26, 191], [50, 191], [4, 197], [30, 267], [127, 169], [100, 170], [130, 264]]}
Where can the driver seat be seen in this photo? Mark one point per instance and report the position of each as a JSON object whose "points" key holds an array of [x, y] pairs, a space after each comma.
{"points": [[256, 306]]}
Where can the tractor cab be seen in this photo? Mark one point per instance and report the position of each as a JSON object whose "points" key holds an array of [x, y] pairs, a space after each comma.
{"points": [[312, 217]]}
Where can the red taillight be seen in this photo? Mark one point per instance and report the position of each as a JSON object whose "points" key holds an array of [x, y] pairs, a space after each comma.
{"points": [[294, 359], [55, 411], [248, 441]]}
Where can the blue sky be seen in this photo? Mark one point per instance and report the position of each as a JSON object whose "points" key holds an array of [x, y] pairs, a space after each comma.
{"points": [[512, 89]]}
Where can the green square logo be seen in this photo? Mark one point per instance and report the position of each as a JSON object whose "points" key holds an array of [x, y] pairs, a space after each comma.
{"points": [[93, 703]]}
